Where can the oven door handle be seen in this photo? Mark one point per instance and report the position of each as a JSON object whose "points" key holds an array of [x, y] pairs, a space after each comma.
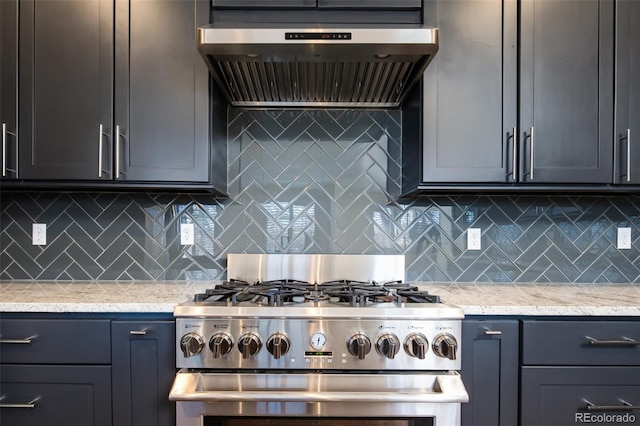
{"points": [[444, 388]]}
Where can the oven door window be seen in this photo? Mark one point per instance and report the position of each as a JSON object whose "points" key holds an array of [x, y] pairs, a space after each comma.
{"points": [[307, 421]]}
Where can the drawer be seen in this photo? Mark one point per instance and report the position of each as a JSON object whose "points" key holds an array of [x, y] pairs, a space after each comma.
{"points": [[557, 396], [581, 342], [58, 341], [370, 4], [263, 4], [55, 395]]}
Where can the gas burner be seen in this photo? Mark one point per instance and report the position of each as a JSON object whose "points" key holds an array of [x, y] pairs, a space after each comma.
{"points": [[414, 295], [362, 295], [277, 295], [210, 295]]}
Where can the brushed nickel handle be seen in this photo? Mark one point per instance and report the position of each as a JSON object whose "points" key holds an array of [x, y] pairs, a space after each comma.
{"points": [[626, 406], [628, 155], [25, 341], [625, 341], [117, 152], [489, 332], [515, 153], [29, 405], [138, 332], [531, 160], [4, 149], [100, 152]]}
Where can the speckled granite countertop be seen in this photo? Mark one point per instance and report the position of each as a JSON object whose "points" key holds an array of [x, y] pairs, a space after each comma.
{"points": [[474, 298]]}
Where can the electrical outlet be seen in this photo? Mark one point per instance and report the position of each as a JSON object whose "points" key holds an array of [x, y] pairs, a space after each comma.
{"points": [[474, 238], [186, 234], [624, 238], [39, 234]]}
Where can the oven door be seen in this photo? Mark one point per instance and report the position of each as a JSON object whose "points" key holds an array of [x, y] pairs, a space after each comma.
{"points": [[282, 398]]}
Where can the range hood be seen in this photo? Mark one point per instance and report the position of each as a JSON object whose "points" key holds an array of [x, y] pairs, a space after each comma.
{"points": [[306, 66]]}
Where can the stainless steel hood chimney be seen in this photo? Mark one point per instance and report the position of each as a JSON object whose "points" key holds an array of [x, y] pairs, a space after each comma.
{"points": [[317, 66]]}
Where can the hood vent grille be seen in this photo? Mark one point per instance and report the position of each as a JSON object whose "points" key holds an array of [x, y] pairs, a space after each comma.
{"points": [[371, 68], [347, 84]]}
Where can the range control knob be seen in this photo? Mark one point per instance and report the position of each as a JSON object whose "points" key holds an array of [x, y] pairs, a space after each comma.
{"points": [[278, 344], [416, 345], [388, 345], [445, 346], [249, 344], [220, 344], [191, 344], [359, 345]]}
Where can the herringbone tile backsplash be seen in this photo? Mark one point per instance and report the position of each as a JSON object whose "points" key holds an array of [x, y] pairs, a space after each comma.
{"points": [[317, 182]]}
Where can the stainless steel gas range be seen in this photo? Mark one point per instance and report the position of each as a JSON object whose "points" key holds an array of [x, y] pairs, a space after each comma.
{"points": [[317, 339]]}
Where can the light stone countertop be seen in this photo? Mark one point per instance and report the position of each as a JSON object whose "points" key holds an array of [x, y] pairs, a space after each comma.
{"points": [[475, 298]]}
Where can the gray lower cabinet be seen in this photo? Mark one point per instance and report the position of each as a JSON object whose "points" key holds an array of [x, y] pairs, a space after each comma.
{"points": [[627, 143], [118, 94], [55, 372], [86, 370], [576, 372], [8, 85], [143, 364], [55, 395], [566, 396], [490, 372], [566, 91]]}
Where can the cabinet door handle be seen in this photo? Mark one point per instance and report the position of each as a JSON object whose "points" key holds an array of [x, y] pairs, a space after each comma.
{"points": [[4, 149], [515, 153], [25, 341], [28, 405], [138, 332], [628, 138], [532, 151], [625, 341], [513, 137], [626, 406], [100, 152], [117, 151], [489, 332]]}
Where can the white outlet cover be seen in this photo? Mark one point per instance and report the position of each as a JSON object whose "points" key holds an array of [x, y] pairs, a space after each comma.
{"points": [[39, 234], [624, 238], [186, 234], [474, 239]]}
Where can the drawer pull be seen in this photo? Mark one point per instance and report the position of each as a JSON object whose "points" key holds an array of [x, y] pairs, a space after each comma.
{"points": [[626, 406], [138, 332], [625, 341], [489, 332], [25, 341], [29, 405]]}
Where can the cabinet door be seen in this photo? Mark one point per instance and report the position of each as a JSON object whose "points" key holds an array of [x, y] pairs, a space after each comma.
{"points": [[143, 363], [566, 91], [161, 92], [566, 396], [36, 395], [628, 93], [65, 88], [470, 92], [490, 372], [8, 85]]}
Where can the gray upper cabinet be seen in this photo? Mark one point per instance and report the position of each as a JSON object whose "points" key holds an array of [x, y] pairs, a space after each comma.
{"points": [[470, 92], [161, 83], [627, 143], [566, 91], [8, 85], [65, 88], [114, 92]]}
